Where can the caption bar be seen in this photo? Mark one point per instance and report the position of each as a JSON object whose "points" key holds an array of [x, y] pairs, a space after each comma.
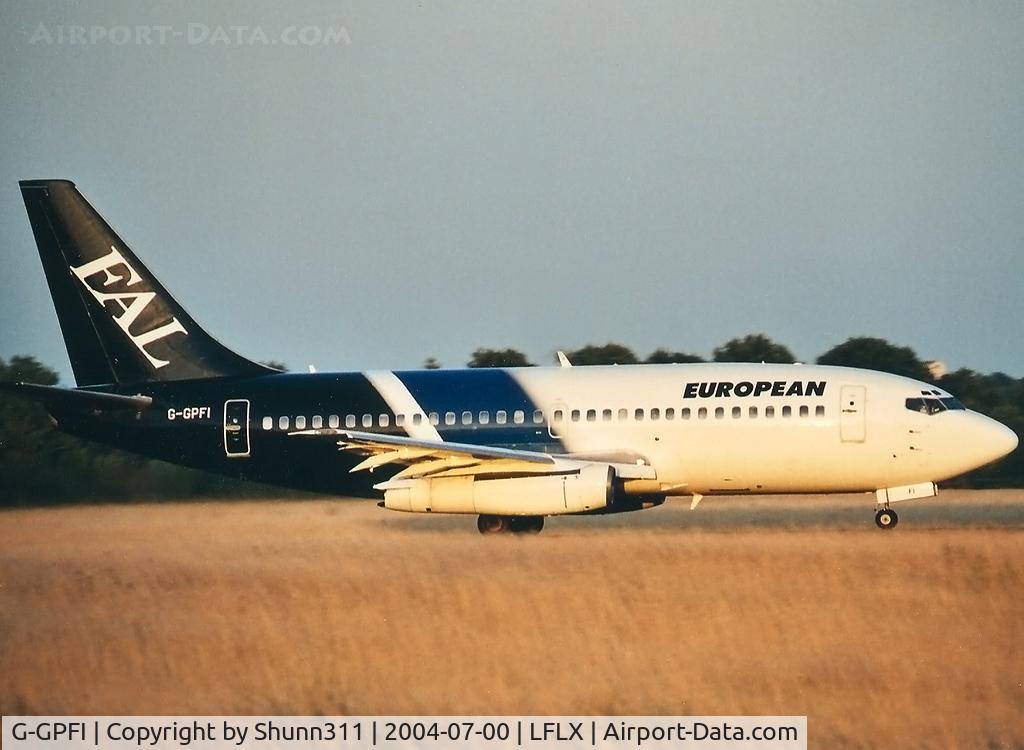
{"points": [[404, 732]]}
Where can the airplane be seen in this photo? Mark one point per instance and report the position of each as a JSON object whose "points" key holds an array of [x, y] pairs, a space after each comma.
{"points": [[511, 446]]}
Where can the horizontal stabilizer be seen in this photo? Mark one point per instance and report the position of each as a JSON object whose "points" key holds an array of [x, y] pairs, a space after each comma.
{"points": [[74, 398]]}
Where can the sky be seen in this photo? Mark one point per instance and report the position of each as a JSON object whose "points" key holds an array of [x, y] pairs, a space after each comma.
{"points": [[365, 185]]}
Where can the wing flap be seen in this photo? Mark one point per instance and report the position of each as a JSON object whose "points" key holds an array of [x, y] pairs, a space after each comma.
{"points": [[402, 455], [439, 466]]}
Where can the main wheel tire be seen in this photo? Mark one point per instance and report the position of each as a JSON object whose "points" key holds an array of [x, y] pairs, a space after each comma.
{"points": [[493, 524], [886, 518], [527, 524]]}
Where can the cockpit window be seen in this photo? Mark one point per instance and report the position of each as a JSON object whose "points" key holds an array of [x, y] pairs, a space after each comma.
{"points": [[933, 405]]}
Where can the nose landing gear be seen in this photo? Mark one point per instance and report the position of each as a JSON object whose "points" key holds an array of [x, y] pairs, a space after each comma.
{"points": [[886, 518]]}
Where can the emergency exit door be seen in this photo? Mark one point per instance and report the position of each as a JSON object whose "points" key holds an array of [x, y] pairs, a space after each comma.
{"points": [[852, 418], [236, 428]]}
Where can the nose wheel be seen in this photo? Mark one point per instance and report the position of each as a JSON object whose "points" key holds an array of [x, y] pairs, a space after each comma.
{"points": [[886, 518]]}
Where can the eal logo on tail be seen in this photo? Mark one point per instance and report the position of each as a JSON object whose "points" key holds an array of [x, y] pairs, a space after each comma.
{"points": [[132, 303]]}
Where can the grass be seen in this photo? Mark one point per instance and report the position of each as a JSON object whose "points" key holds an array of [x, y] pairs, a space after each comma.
{"points": [[908, 638]]}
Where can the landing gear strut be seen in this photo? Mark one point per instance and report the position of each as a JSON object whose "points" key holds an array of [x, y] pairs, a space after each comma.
{"points": [[886, 518], [506, 524]]}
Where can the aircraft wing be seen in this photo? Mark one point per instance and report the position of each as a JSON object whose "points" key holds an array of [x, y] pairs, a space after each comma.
{"points": [[433, 457]]}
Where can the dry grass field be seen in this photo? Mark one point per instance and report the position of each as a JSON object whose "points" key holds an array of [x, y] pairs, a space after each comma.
{"points": [[907, 639]]}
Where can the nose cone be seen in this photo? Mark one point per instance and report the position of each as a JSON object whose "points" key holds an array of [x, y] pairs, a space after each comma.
{"points": [[965, 440], [994, 440], [1007, 441]]}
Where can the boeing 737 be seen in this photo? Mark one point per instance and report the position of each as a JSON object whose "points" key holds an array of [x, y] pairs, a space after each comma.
{"points": [[511, 446]]}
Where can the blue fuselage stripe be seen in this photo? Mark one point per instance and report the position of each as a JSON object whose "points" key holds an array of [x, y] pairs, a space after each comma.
{"points": [[479, 390]]}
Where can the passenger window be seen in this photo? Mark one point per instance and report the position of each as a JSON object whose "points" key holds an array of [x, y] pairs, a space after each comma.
{"points": [[417, 418], [606, 415], [384, 420], [484, 417], [719, 412], [350, 420], [684, 413], [736, 412], [300, 423], [449, 417], [787, 412], [638, 415], [769, 412], [805, 411], [500, 416], [282, 423], [518, 416], [333, 421], [591, 415], [367, 420], [575, 415], [435, 418], [702, 413], [538, 416], [623, 414], [268, 423], [670, 413], [467, 417], [399, 420], [819, 411], [752, 412], [655, 414], [557, 416], [318, 422]]}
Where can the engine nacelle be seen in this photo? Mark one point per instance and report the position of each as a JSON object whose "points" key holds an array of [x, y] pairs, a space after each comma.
{"points": [[586, 490]]}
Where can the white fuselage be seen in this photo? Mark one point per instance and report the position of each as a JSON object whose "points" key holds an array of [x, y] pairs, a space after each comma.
{"points": [[854, 433]]}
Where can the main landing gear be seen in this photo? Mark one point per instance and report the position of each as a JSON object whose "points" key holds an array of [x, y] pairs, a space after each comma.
{"points": [[510, 524], [886, 518]]}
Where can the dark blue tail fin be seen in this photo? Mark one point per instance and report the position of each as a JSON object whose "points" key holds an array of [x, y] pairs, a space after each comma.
{"points": [[119, 324]]}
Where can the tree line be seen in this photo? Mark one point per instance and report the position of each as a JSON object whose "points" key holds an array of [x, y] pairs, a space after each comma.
{"points": [[39, 465], [869, 353]]}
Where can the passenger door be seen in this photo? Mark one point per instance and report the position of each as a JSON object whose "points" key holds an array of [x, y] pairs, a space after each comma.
{"points": [[852, 418], [236, 428]]}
